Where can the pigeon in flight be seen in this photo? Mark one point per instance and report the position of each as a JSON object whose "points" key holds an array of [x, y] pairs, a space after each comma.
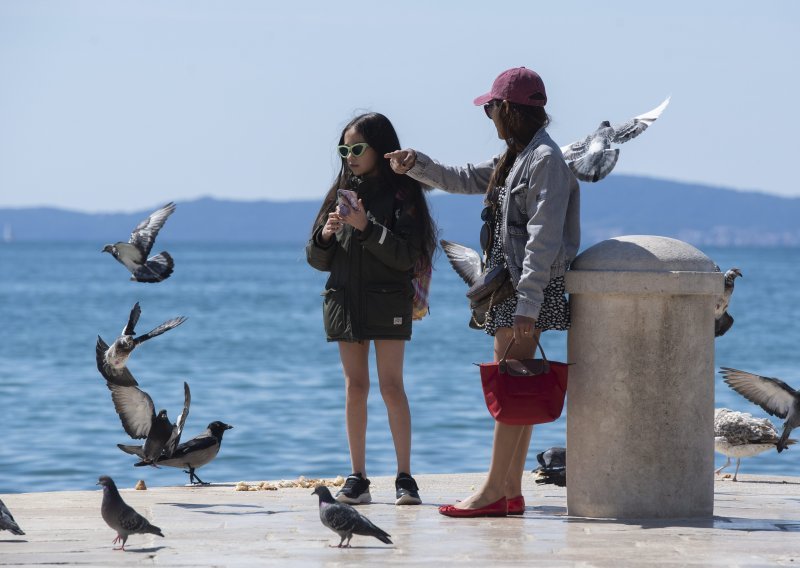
{"points": [[593, 159], [191, 455], [773, 395], [133, 254], [137, 413], [740, 435], [112, 361], [120, 516], [7, 522], [722, 319], [344, 520], [552, 467]]}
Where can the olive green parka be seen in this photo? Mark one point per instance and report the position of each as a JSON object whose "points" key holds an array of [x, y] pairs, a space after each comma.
{"points": [[369, 294]]}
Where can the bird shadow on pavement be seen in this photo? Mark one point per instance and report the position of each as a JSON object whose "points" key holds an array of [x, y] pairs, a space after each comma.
{"points": [[761, 481], [145, 550], [200, 508], [13, 540]]}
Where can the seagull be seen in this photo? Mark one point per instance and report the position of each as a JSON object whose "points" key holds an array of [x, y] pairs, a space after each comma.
{"points": [[112, 361], [133, 254], [137, 413], [344, 520], [7, 522], [722, 319], [552, 467], [739, 435], [592, 159], [192, 455], [773, 395], [120, 516]]}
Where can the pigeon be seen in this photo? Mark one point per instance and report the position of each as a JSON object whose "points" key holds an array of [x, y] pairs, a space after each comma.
{"points": [[465, 261], [137, 413], [120, 516], [112, 361], [722, 319], [739, 435], [773, 395], [133, 254], [552, 467], [7, 522], [192, 455], [592, 159], [344, 520]]}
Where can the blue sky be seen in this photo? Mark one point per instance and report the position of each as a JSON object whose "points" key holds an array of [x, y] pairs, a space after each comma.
{"points": [[121, 106]]}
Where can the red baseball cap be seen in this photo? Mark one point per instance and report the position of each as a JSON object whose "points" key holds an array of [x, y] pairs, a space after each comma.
{"points": [[518, 85]]}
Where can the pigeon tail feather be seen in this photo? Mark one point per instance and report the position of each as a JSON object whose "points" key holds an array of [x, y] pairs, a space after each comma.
{"points": [[596, 166]]}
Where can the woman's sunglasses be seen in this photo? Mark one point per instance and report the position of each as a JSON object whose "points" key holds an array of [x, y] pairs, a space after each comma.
{"points": [[487, 230], [355, 149], [488, 108]]}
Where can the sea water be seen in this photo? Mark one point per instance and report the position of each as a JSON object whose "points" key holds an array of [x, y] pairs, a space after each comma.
{"points": [[254, 353]]}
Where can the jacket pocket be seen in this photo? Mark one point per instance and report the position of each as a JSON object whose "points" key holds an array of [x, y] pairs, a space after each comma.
{"points": [[333, 312], [387, 309]]}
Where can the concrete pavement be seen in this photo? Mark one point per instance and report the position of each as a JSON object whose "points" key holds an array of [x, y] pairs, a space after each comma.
{"points": [[756, 523]]}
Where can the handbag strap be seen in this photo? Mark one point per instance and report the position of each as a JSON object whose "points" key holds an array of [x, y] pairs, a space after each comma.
{"points": [[513, 341]]}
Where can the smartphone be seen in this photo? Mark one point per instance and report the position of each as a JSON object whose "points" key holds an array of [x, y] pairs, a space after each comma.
{"points": [[348, 199]]}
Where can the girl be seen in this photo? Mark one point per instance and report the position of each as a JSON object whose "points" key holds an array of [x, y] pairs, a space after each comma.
{"points": [[533, 228], [371, 251]]}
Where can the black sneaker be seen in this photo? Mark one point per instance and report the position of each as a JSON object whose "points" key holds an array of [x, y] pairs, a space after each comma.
{"points": [[406, 490], [355, 490]]}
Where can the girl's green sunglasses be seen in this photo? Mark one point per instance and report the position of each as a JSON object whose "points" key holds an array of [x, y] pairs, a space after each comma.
{"points": [[356, 149]]}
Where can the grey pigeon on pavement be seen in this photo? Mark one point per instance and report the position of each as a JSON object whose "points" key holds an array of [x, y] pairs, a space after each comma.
{"points": [[7, 522], [722, 319], [120, 516], [592, 159], [773, 395], [137, 413], [112, 360], [740, 435], [133, 255], [552, 467], [344, 520], [192, 454]]}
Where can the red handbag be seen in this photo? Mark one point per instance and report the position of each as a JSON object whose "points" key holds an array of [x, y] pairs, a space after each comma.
{"points": [[526, 391]]}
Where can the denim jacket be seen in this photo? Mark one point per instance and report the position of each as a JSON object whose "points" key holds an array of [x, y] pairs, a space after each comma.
{"points": [[541, 216]]}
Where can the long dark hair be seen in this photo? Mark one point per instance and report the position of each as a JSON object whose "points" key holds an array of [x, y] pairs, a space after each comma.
{"points": [[379, 133], [520, 124]]}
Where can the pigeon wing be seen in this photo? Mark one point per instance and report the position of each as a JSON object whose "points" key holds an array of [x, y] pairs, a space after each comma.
{"points": [[144, 235], [122, 378], [465, 261], [164, 327], [773, 395], [133, 450], [135, 408], [133, 319], [576, 149], [638, 124], [339, 517], [177, 428], [364, 526]]}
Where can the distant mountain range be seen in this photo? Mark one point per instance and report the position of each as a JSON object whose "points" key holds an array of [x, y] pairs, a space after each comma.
{"points": [[618, 205]]}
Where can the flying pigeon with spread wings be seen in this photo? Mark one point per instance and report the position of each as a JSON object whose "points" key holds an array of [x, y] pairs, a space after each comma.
{"points": [[773, 395], [592, 159], [134, 254]]}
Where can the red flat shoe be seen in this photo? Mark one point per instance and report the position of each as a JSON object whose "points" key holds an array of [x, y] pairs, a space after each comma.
{"points": [[516, 505], [497, 509]]}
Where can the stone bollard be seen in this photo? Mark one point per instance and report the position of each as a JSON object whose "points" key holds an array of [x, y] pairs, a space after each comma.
{"points": [[640, 404]]}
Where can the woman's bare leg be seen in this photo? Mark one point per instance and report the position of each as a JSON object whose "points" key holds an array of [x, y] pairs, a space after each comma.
{"points": [[355, 365], [510, 448]]}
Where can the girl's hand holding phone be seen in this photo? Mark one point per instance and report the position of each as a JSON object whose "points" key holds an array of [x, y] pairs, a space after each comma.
{"points": [[357, 217], [332, 225]]}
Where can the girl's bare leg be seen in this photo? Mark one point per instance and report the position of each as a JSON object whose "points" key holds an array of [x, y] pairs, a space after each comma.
{"points": [[355, 365], [389, 354]]}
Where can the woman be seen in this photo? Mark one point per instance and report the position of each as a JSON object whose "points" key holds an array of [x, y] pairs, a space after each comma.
{"points": [[371, 249], [533, 228]]}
